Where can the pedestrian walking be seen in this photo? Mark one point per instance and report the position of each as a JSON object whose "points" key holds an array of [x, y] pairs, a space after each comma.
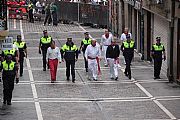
{"points": [[53, 9], [44, 44], [84, 43], [30, 12], [9, 73], [123, 36], [48, 15], [105, 42], [92, 55], [127, 48], [54, 56], [157, 51], [22, 52], [69, 52], [112, 55]]}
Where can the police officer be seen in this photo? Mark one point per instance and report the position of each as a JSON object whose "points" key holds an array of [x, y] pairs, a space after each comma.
{"points": [[156, 52], [127, 48], [30, 12], [84, 43], [43, 46], [8, 76], [22, 52], [69, 52]]}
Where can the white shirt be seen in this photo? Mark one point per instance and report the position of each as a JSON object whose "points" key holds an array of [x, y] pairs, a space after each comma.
{"points": [[54, 53], [123, 36], [106, 41], [15, 47], [92, 52]]}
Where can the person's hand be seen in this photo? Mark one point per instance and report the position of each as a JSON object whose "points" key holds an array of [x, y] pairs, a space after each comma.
{"points": [[76, 59], [62, 60], [26, 55], [39, 51], [100, 59], [59, 61], [17, 80], [164, 57]]}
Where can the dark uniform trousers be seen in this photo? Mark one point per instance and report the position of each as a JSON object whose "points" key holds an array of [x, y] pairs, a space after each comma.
{"points": [[21, 61], [8, 86], [128, 59], [44, 53], [31, 19], [157, 66], [86, 62], [70, 63]]}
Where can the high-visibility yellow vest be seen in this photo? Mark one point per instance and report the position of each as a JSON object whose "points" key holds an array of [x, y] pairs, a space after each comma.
{"points": [[86, 42], [128, 45], [30, 6], [20, 45], [66, 48], [45, 40], [7, 66], [158, 47], [9, 52]]}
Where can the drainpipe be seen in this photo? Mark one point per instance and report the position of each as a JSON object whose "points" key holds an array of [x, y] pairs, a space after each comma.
{"points": [[171, 76], [142, 31]]}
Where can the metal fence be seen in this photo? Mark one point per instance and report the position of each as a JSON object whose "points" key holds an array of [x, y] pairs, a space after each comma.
{"points": [[83, 13]]}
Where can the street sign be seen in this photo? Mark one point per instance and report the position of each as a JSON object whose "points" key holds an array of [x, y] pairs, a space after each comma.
{"points": [[7, 43]]}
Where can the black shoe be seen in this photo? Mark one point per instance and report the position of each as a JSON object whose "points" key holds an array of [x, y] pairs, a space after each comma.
{"points": [[44, 69], [116, 78], [94, 79], [86, 70], [126, 74], [157, 78], [112, 78], [21, 75], [8, 103], [4, 102], [67, 79], [129, 76], [73, 80]]}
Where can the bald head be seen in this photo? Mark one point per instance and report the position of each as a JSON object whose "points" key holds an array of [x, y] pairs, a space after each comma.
{"points": [[126, 30], [93, 42]]}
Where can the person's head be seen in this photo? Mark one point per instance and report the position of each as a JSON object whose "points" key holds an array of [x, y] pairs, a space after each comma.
{"points": [[126, 30], [158, 40], [8, 58], [113, 42], [93, 42], [52, 44], [128, 37], [45, 33], [86, 34], [106, 32], [69, 40], [19, 38]]}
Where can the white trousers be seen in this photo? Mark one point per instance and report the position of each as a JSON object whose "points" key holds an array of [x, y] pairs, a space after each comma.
{"points": [[104, 54], [113, 64], [92, 66]]}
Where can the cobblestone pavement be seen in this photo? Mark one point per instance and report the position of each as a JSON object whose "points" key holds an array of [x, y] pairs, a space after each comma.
{"points": [[35, 98]]}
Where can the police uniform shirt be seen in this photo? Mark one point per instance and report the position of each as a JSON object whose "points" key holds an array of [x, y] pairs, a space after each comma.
{"points": [[157, 49], [12, 52], [9, 69], [21, 46], [128, 47], [85, 43], [46, 44]]}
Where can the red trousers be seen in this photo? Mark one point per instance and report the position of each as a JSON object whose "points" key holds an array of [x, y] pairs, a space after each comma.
{"points": [[53, 63]]}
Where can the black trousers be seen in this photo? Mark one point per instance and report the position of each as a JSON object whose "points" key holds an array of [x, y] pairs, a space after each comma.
{"points": [[85, 61], [54, 17], [21, 61], [48, 18], [157, 66], [31, 18], [128, 59], [8, 86], [70, 63], [44, 53]]}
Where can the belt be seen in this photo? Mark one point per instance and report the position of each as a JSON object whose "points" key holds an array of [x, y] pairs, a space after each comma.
{"points": [[91, 58]]}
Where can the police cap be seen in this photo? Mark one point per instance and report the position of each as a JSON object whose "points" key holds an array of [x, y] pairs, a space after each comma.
{"points": [[158, 38]]}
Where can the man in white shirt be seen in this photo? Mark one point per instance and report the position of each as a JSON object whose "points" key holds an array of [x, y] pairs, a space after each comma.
{"points": [[105, 42], [93, 54], [53, 55]]}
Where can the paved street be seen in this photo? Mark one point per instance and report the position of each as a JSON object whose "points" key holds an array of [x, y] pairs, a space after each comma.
{"points": [[35, 98]]}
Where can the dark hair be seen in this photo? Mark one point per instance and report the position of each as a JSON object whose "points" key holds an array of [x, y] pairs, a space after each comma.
{"points": [[52, 42]]}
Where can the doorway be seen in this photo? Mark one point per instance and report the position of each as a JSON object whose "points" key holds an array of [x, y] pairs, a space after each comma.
{"points": [[178, 50]]}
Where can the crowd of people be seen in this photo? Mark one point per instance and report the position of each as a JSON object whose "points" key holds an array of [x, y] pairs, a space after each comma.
{"points": [[93, 53]]}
